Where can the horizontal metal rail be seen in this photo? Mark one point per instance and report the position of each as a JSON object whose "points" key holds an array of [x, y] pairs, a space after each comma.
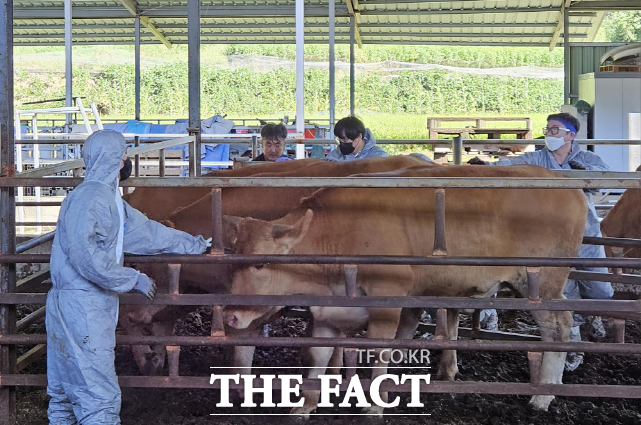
{"points": [[79, 163], [431, 344], [38, 204], [622, 242], [396, 260], [25, 322], [584, 305], [355, 182], [631, 279], [32, 243], [434, 387], [66, 138], [499, 142]]}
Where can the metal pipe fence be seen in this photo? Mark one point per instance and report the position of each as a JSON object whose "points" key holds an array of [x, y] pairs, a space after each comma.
{"points": [[353, 182], [620, 309]]}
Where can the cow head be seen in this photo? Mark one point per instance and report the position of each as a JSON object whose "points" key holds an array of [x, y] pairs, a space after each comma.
{"points": [[263, 237]]}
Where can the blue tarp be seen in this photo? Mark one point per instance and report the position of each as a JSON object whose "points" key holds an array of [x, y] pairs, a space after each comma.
{"points": [[208, 153]]}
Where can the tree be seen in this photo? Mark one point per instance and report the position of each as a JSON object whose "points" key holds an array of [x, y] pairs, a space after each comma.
{"points": [[623, 26]]}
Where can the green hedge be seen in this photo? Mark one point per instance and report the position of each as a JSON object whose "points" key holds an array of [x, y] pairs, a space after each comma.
{"points": [[244, 92]]}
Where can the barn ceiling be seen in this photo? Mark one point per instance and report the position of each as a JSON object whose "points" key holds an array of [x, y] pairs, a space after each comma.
{"points": [[463, 22]]}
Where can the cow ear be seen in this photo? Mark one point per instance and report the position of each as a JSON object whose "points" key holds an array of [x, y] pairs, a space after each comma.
{"points": [[287, 237], [230, 229]]}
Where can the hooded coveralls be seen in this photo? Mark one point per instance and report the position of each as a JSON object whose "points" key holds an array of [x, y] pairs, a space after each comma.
{"points": [[592, 162], [94, 228], [370, 150]]}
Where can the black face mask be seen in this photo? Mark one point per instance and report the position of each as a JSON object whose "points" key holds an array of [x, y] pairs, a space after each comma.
{"points": [[125, 171], [346, 148]]}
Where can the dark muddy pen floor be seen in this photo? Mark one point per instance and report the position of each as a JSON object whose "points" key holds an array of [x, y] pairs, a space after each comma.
{"points": [[141, 406]]}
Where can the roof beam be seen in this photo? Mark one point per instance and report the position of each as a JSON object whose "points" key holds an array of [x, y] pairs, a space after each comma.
{"points": [[559, 24], [132, 7], [425, 12], [94, 12], [244, 25], [464, 35], [603, 6], [380, 2], [352, 9], [290, 35]]}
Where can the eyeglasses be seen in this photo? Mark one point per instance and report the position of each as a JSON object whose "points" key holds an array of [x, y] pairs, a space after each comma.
{"points": [[554, 130]]}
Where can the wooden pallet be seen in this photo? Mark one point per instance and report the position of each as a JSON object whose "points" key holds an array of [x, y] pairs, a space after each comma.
{"points": [[620, 68]]}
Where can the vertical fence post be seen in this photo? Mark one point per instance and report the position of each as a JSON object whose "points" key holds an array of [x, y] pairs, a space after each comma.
{"points": [[457, 149], [350, 271], [7, 209], [217, 243], [535, 361], [442, 331], [161, 163], [619, 331], [254, 146], [617, 252], [136, 157], [439, 223], [193, 41], [217, 323]]}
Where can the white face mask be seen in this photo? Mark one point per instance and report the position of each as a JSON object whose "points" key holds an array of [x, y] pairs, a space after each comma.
{"points": [[554, 143]]}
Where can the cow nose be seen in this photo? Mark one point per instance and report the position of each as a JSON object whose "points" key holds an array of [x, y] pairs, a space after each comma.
{"points": [[231, 319]]}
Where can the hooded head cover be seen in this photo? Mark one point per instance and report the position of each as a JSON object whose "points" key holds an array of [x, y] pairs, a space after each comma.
{"points": [[102, 153]]}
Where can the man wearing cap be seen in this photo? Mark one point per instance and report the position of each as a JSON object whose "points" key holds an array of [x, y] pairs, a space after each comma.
{"points": [[562, 153]]}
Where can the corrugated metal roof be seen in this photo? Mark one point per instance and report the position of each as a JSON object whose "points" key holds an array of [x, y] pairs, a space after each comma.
{"points": [[463, 22]]}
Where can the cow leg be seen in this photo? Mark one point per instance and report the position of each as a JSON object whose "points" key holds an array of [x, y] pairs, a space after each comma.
{"points": [[383, 324], [318, 358], [554, 326], [408, 324], [448, 367]]}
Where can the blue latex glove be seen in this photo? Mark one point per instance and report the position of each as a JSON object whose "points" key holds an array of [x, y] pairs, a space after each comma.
{"points": [[146, 286]]}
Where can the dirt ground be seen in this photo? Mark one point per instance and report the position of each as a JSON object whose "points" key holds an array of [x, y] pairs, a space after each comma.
{"points": [[193, 407]]}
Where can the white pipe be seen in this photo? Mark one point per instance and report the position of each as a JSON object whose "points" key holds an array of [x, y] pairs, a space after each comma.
{"points": [[18, 146], [36, 164], [68, 61]]}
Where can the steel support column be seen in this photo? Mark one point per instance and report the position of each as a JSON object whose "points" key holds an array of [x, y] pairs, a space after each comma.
{"points": [[300, 76], [7, 208], [332, 66], [352, 35], [137, 69], [566, 57], [193, 38]]}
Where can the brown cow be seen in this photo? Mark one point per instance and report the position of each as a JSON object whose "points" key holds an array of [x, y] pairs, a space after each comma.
{"points": [[624, 220], [264, 203], [480, 222]]}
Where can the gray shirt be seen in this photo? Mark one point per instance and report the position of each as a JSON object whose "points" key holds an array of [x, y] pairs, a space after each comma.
{"points": [[370, 150]]}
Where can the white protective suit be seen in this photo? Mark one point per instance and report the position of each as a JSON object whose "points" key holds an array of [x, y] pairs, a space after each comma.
{"points": [[88, 274], [592, 162]]}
